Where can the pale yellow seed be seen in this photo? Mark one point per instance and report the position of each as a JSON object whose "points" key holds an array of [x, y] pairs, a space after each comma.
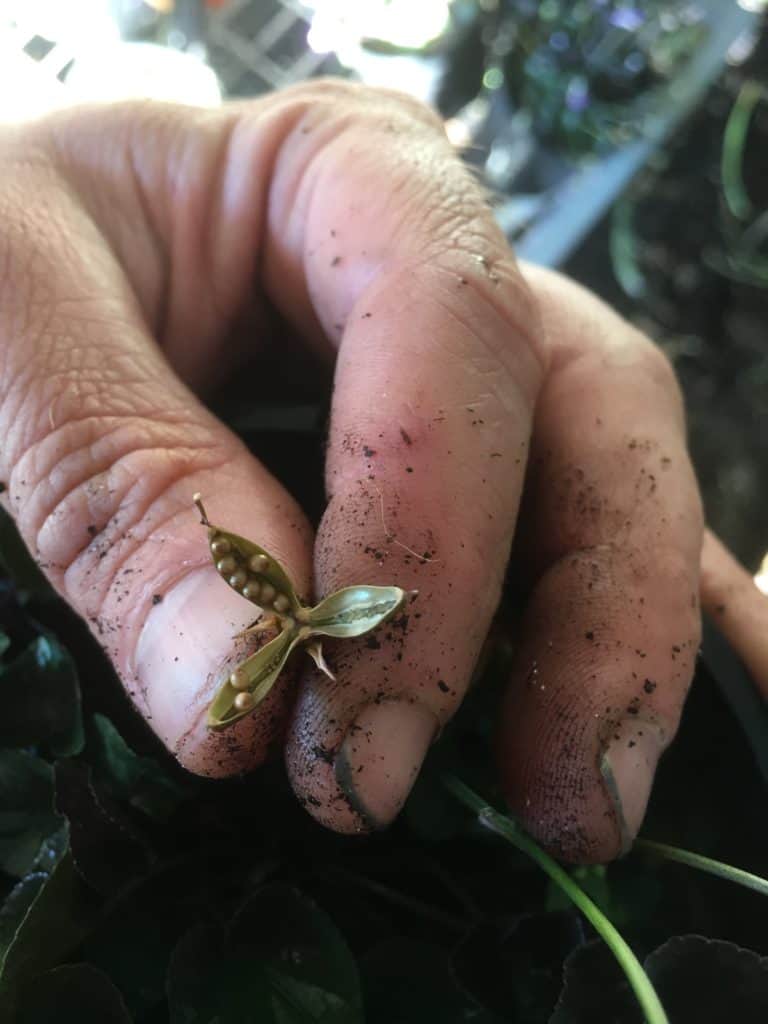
{"points": [[281, 603], [238, 680], [252, 590], [226, 565], [243, 701], [220, 546], [237, 579], [268, 593], [258, 563]]}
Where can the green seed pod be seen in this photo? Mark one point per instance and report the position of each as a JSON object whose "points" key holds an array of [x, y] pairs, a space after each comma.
{"points": [[260, 578], [354, 611]]}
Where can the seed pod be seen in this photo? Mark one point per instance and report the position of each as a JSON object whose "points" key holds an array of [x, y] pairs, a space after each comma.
{"points": [[353, 611], [259, 578], [259, 674], [240, 561]]}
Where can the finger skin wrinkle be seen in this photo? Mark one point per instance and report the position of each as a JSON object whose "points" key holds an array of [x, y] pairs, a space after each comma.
{"points": [[85, 471]]}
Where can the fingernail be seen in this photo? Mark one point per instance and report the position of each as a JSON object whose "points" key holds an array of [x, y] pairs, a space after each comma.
{"points": [[628, 767], [381, 756]]}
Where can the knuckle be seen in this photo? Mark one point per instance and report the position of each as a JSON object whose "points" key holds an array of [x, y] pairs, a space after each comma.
{"points": [[89, 493]]}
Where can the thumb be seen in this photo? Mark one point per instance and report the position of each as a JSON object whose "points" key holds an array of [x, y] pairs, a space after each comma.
{"points": [[103, 447]]}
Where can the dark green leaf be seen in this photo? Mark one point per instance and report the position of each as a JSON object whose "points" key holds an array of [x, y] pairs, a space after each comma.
{"points": [[133, 947], [27, 814], [283, 962], [595, 990], [304, 946], [5, 643], [106, 849], [50, 918], [515, 967], [41, 699], [141, 781], [208, 981], [709, 981], [408, 982], [73, 994]]}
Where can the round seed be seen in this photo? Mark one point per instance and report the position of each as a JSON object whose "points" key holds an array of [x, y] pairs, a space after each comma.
{"points": [[267, 594], [258, 563], [238, 680], [252, 590], [243, 701], [281, 603], [237, 579], [226, 565], [220, 546]]}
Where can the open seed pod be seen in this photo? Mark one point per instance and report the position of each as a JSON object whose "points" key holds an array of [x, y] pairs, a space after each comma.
{"points": [[258, 577]]}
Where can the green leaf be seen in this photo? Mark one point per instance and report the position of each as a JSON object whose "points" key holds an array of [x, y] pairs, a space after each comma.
{"points": [[73, 994], [309, 964], [107, 851], [410, 982], [594, 989], [261, 670], [354, 611], [5, 643], [141, 781], [45, 918], [41, 698], [283, 962], [27, 814], [133, 945], [209, 982], [710, 980]]}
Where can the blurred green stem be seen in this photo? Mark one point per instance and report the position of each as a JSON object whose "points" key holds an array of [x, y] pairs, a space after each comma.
{"points": [[734, 143], [712, 867]]}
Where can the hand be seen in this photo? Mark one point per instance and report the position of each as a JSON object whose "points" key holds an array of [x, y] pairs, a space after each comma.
{"points": [[140, 246]]}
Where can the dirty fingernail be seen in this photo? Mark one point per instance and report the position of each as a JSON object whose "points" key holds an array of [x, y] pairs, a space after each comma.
{"points": [[628, 768], [380, 758]]}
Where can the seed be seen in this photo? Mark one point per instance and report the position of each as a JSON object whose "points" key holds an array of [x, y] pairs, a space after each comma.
{"points": [[252, 590], [259, 563], [220, 546], [238, 680], [267, 594], [237, 579], [243, 701], [226, 565], [281, 603]]}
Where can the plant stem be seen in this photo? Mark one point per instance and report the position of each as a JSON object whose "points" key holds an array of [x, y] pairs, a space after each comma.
{"points": [[505, 827], [712, 867], [734, 142]]}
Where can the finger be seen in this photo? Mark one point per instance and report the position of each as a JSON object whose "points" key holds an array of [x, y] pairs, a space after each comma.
{"points": [[730, 595], [103, 447], [611, 529], [435, 383]]}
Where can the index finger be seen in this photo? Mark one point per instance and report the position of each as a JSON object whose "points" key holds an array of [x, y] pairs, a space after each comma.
{"points": [[436, 380]]}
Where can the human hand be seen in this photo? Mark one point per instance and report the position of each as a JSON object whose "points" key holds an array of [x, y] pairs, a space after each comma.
{"points": [[140, 247]]}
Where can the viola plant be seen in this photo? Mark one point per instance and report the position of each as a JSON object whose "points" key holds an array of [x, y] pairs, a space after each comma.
{"points": [[260, 579]]}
